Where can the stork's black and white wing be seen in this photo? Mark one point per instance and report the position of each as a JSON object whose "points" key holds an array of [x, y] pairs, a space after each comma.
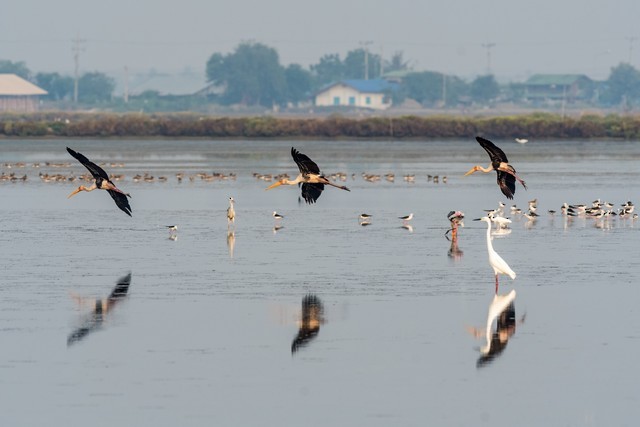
{"points": [[305, 164], [94, 169], [121, 201], [507, 183], [495, 153], [311, 192]]}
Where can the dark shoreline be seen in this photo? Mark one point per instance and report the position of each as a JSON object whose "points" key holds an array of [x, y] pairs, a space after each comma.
{"points": [[185, 125]]}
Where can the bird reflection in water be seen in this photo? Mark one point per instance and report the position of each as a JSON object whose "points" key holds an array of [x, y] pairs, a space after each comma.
{"points": [[309, 325], [102, 307], [408, 227], [173, 237], [502, 311], [231, 242]]}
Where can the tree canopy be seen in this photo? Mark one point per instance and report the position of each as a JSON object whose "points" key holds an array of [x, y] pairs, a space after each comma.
{"points": [[95, 87], [17, 68], [484, 89], [59, 87], [251, 75], [623, 85]]}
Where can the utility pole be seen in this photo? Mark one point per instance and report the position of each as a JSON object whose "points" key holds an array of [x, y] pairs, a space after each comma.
{"points": [[76, 48], [366, 57], [488, 46], [126, 84], [444, 90], [381, 60], [631, 41]]}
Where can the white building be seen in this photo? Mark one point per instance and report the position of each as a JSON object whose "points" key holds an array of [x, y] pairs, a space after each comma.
{"points": [[374, 94], [19, 95]]}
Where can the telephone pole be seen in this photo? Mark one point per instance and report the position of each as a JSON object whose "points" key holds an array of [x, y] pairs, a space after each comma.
{"points": [[488, 46], [366, 45], [76, 48], [126, 84], [631, 41]]}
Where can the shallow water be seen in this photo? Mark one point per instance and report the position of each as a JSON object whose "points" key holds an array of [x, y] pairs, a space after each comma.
{"points": [[205, 330]]}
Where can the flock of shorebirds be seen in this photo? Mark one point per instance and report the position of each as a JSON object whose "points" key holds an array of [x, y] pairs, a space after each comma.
{"points": [[312, 183]]}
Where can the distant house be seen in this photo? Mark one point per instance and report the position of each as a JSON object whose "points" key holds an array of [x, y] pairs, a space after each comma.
{"points": [[164, 84], [19, 95], [374, 94], [558, 87]]}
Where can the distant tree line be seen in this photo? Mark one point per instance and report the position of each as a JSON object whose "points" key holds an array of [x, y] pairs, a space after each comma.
{"points": [[252, 76]]}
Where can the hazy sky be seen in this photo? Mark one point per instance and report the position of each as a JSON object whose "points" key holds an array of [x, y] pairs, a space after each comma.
{"points": [[549, 36]]}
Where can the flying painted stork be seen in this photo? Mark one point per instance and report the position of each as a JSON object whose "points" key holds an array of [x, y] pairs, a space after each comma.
{"points": [[312, 180], [499, 163], [102, 182]]}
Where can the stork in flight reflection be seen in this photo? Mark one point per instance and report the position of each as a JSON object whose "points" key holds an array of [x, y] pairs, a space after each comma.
{"points": [[311, 319], [101, 308], [312, 180]]}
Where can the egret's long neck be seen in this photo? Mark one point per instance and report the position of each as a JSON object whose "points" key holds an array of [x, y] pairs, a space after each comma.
{"points": [[489, 245]]}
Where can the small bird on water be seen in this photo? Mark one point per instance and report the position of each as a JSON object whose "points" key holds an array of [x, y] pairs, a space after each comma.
{"points": [[406, 218]]}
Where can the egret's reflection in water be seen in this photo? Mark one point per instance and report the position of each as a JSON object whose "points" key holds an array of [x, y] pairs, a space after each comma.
{"points": [[309, 325], [101, 308], [502, 310], [231, 242]]}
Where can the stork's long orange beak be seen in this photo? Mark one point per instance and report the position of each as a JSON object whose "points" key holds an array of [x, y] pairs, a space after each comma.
{"points": [[273, 186], [76, 191], [472, 170]]}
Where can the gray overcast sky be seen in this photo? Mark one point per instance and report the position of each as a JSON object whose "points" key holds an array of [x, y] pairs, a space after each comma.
{"points": [[549, 36]]}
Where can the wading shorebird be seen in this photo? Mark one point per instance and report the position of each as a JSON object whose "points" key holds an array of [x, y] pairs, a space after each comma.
{"points": [[499, 163], [312, 180], [102, 182], [231, 213]]}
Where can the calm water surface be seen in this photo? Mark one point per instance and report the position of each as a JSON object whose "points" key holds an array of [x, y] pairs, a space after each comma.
{"points": [[203, 333]]}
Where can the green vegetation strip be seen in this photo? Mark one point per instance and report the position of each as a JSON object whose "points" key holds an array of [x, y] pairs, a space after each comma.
{"points": [[538, 125]]}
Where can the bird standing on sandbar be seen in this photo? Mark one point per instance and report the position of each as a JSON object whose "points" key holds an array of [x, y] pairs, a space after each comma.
{"points": [[499, 163], [312, 180], [499, 265], [102, 182], [231, 213]]}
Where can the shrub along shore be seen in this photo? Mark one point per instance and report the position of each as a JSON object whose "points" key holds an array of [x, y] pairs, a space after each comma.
{"points": [[137, 125]]}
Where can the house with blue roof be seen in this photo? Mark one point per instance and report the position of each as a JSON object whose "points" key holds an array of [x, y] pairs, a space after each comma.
{"points": [[374, 94]]}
